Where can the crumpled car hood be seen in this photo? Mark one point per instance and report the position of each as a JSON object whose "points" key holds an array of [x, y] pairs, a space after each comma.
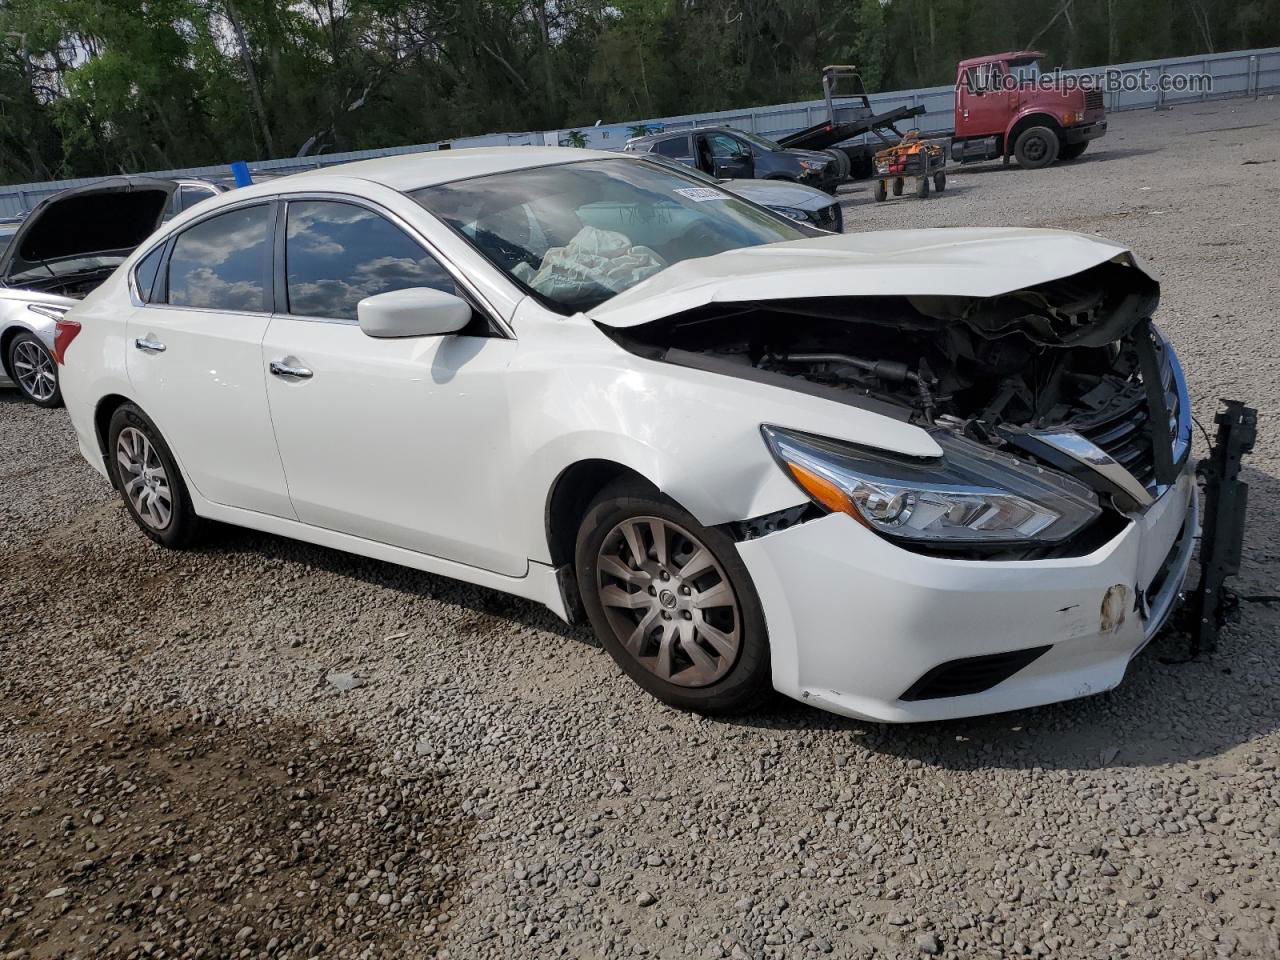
{"points": [[941, 262]]}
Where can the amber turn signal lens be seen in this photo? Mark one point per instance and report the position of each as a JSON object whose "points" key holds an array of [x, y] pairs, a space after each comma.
{"points": [[825, 492]]}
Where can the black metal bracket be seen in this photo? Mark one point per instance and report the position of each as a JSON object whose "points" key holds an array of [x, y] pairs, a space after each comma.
{"points": [[1226, 498]]}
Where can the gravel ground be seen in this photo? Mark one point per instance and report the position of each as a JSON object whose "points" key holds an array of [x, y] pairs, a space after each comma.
{"points": [[261, 748]]}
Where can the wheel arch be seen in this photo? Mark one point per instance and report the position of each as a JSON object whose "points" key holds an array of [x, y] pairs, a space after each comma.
{"points": [[102, 413], [1035, 118], [569, 496]]}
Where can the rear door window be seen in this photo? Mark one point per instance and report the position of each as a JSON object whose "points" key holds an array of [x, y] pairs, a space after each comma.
{"points": [[674, 147], [224, 263], [336, 254]]}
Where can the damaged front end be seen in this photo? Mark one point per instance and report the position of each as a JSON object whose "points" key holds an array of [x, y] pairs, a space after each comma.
{"points": [[1061, 393]]}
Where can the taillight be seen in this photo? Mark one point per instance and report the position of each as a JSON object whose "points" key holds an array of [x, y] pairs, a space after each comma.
{"points": [[64, 331]]}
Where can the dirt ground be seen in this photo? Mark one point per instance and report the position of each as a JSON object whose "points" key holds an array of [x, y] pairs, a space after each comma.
{"points": [[259, 748]]}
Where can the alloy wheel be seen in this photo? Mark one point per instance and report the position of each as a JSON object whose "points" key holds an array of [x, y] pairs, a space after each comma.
{"points": [[144, 479], [35, 371], [669, 601]]}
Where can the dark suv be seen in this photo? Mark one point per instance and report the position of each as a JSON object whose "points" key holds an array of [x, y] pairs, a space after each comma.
{"points": [[729, 154]]}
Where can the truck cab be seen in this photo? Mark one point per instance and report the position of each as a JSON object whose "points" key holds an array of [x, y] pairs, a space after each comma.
{"points": [[1005, 108]]}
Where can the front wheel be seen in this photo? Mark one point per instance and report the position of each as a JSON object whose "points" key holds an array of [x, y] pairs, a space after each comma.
{"points": [[1036, 147], [147, 476], [34, 371], [672, 602]]}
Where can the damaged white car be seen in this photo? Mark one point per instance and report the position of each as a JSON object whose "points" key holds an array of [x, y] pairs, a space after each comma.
{"points": [[900, 476]]}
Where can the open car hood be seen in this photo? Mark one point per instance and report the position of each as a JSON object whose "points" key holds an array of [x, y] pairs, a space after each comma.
{"points": [[940, 262], [107, 219]]}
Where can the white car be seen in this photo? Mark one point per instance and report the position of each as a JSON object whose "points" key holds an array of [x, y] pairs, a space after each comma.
{"points": [[900, 476]]}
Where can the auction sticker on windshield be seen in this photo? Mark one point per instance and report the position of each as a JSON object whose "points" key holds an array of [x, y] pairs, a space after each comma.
{"points": [[698, 194]]}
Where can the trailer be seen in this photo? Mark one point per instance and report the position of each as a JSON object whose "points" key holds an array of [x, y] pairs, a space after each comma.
{"points": [[847, 121], [912, 157]]}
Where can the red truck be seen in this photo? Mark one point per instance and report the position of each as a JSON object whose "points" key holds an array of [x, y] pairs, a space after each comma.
{"points": [[1006, 108]]}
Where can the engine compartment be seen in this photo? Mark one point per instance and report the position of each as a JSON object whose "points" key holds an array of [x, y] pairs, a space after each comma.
{"points": [[1075, 354], [1032, 358]]}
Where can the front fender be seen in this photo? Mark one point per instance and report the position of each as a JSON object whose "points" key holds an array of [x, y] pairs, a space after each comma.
{"points": [[1050, 119], [577, 395]]}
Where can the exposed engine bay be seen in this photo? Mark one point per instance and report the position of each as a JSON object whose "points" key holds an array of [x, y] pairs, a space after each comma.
{"points": [[1077, 354]]}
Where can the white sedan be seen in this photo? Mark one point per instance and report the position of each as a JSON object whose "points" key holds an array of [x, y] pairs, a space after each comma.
{"points": [[901, 476]]}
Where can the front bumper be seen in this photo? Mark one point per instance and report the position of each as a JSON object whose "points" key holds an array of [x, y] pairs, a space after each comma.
{"points": [[826, 179], [1085, 131], [856, 622]]}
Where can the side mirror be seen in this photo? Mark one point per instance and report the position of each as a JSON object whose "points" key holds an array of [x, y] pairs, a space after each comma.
{"points": [[412, 312]]}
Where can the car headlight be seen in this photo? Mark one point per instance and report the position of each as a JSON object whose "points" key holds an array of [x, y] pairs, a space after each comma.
{"points": [[814, 165], [971, 494], [792, 213]]}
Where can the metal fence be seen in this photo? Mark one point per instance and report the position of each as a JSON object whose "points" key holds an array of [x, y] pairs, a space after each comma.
{"points": [[1242, 73]]}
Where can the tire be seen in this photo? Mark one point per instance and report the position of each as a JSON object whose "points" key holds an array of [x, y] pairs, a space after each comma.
{"points": [[898, 185], [881, 191], [843, 166], [161, 507], [922, 187], [710, 657], [940, 182], [1073, 151], [1036, 147], [34, 371]]}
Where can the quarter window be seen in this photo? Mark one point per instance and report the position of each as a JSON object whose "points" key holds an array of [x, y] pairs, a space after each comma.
{"points": [[144, 275], [222, 263], [336, 254]]}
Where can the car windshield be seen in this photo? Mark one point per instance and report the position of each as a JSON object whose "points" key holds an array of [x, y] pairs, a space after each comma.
{"points": [[576, 234], [755, 138]]}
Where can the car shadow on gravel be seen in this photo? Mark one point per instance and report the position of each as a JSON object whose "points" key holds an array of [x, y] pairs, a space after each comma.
{"points": [[1167, 710], [229, 540], [908, 193]]}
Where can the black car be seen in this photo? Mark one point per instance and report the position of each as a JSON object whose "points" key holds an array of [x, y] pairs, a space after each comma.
{"points": [[730, 154]]}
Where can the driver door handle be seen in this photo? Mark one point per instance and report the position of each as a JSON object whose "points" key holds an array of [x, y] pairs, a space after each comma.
{"points": [[281, 369], [149, 345]]}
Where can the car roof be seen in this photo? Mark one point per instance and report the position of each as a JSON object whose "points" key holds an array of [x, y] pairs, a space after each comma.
{"points": [[684, 132], [1000, 57], [412, 171]]}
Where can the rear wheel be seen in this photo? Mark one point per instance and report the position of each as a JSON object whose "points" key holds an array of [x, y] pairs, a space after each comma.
{"points": [[1036, 147], [898, 185], [881, 191], [672, 602], [147, 477], [940, 182], [1073, 151], [34, 370], [922, 187]]}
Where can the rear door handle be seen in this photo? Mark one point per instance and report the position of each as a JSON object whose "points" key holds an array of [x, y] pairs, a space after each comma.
{"points": [[149, 345], [281, 369]]}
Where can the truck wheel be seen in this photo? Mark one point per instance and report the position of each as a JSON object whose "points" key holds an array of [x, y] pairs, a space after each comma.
{"points": [[898, 184], [1072, 151], [922, 187], [1036, 147], [882, 190], [939, 182]]}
